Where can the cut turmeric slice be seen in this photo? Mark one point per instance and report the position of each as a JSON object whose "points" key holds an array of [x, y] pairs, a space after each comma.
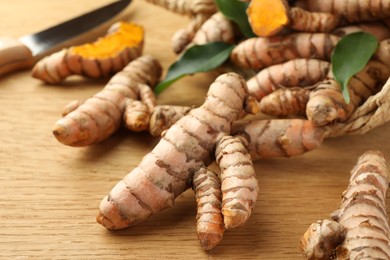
{"points": [[102, 58], [267, 17]]}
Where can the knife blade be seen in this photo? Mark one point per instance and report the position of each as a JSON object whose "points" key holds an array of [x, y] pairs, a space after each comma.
{"points": [[22, 53]]}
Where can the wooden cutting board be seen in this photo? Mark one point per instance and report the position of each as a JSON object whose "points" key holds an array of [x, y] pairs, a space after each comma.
{"points": [[50, 193]]}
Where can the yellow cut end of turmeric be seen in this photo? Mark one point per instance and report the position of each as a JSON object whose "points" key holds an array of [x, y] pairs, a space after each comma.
{"points": [[267, 17], [125, 35]]}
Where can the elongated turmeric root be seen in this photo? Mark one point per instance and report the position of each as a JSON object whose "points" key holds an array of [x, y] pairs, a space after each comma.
{"points": [[187, 7], [261, 52], [270, 17], [293, 73], [286, 102], [186, 147], [210, 226], [239, 184], [279, 137], [363, 231], [122, 44], [352, 11], [377, 29], [100, 116]]}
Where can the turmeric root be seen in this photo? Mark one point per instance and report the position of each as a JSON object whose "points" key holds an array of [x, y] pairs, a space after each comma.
{"points": [[279, 137], [260, 52], [269, 17], [296, 72], [362, 215], [352, 11], [186, 147], [101, 115], [239, 184], [210, 226], [326, 103], [164, 117], [286, 102], [216, 28], [188, 7], [377, 29], [122, 44], [183, 37]]}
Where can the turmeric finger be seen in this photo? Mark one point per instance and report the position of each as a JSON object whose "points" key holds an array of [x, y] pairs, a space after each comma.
{"points": [[216, 28], [187, 146], [296, 72], [210, 226], [279, 137], [326, 103], [362, 214], [183, 37], [101, 115], [260, 52], [285, 102], [363, 209], [239, 184], [136, 116], [352, 11], [377, 29], [188, 7], [102, 58], [269, 17]]}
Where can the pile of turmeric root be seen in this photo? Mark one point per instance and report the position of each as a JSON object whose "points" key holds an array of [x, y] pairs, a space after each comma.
{"points": [[292, 82]]}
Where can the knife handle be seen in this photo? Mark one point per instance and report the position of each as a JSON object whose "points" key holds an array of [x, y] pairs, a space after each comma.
{"points": [[14, 55]]}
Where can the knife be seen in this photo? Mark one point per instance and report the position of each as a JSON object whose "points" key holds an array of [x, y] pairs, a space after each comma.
{"points": [[22, 53]]}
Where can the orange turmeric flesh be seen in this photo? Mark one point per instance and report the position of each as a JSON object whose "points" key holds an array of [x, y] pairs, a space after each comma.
{"points": [[126, 35], [267, 17]]}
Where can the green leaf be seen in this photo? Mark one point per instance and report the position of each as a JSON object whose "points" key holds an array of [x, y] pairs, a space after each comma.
{"points": [[235, 11], [198, 58], [350, 56]]}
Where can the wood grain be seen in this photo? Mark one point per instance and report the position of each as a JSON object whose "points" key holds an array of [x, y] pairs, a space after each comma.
{"points": [[50, 193]]}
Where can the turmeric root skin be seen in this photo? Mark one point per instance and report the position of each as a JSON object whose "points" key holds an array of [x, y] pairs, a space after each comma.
{"points": [[210, 226], [261, 52], [239, 184]]}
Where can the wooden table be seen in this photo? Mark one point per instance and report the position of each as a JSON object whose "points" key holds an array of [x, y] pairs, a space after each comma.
{"points": [[50, 193]]}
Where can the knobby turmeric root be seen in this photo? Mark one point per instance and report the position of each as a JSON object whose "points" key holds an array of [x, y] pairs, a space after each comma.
{"points": [[210, 226], [216, 28], [122, 44], [293, 73], [327, 104], [261, 52], [364, 231], [186, 147], [98, 117], [270, 17]]}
